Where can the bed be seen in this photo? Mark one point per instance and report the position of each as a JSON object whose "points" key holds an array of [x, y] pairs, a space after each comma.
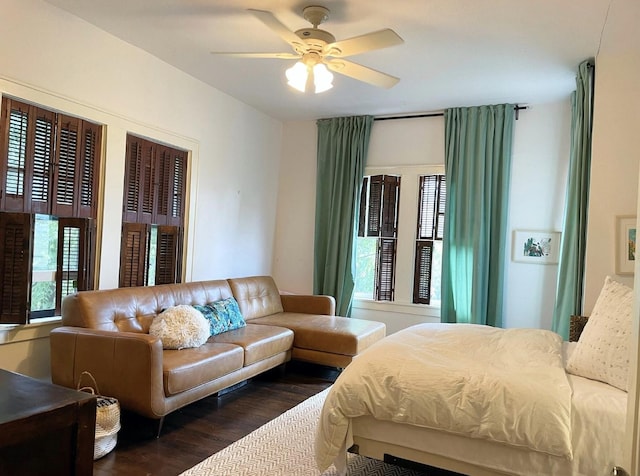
{"points": [[479, 400]]}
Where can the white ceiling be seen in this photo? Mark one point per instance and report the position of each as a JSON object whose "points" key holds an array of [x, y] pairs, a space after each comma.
{"points": [[455, 52]]}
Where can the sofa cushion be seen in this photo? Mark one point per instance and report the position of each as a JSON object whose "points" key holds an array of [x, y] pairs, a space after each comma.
{"points": [[223, 315], [258, 342], [257, 296], [332, 334], [189, 368], [180, 327]]}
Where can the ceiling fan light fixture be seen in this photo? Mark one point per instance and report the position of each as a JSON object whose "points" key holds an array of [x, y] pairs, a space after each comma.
{"points": [[300, 75], [297, 76], [322, 78]]}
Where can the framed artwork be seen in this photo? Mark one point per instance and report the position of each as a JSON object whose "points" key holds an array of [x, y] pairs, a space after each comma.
{"points": [[625, 244], [540, 247]]}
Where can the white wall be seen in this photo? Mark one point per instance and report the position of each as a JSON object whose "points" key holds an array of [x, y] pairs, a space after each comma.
{"points": [[536, 202], [540, 159], [61, 62], [616, 142]]}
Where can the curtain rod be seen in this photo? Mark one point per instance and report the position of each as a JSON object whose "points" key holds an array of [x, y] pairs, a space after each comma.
{"points": [[517, 108]]}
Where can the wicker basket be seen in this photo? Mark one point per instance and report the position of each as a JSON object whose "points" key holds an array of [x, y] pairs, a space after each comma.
{"points": [[107, 419]]}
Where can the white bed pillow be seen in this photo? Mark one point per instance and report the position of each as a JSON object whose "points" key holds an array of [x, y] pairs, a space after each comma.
{"points": [[604, 347], [180, 327]]}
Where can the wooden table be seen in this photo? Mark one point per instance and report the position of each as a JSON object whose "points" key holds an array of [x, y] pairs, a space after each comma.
{"points": [[45, 429]]}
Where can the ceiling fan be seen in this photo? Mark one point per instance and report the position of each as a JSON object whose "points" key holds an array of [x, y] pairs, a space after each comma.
{"points": [[317, 52]]}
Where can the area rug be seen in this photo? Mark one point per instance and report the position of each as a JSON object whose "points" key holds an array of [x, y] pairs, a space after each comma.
{"points": [[284, 447]]}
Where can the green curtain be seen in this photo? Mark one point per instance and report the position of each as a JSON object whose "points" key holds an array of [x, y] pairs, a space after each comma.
{"points": [[478, 142], [343, 143], [573, 244]]}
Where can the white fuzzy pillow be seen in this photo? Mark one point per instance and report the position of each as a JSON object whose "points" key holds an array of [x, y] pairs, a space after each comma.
{"points": [[604, 348], [180, 327]]}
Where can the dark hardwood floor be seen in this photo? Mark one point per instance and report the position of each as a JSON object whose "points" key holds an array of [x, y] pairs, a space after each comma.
{"points": [[195, 432]]}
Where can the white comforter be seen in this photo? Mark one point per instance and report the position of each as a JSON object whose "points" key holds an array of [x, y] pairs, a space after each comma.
{"points": [[504, 385]]}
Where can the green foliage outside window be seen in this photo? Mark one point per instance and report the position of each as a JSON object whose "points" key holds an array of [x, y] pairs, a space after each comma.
{"points": [[365, 267], [45, 256]]}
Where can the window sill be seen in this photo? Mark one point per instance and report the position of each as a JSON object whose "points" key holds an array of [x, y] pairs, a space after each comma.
{"points": [[37, 329], [398, 307]]}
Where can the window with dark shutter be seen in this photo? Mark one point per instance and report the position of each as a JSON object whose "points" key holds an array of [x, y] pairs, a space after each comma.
{"points": [[378, 218], [15, 235], [49, 169], [430, 224], [154, 194]]}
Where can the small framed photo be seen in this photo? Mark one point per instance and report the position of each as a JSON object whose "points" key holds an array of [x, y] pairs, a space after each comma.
{"points": [[625, 244], [540, 247]]}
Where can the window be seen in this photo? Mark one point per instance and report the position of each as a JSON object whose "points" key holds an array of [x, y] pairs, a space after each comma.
{"points": [[49, 171], [153, 214], [377, 237], [400, 231], [426, 282]]}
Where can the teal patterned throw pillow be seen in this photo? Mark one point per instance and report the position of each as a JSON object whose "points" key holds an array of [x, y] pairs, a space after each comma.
{"points": [[223, 315]]}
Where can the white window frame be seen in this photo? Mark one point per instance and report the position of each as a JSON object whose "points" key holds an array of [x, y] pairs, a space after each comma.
{"points": [[406, 241]]}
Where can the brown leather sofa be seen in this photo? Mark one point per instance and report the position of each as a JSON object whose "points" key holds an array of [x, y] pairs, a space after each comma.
{"points": [[106, 333]]}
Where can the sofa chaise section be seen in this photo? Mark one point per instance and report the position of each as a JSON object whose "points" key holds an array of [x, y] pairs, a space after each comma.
{"points": [[320, 337]]}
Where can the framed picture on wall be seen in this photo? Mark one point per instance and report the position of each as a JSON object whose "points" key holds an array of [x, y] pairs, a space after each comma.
{"points": [[625, 244], [539, 247]]}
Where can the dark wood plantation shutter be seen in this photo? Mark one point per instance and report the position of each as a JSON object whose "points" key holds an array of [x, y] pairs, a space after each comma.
{"points": [[28, 142], [430, 227], [170, 178], [139, 181], [15, 276], [133, 258], [67, 159], [374, 212], [89, 170], [362, 212], [178, 191], [389, 217], [386, 266], [168, 255], [422, 276], [75, 257], [48, 166], [15, 129], [132, 177]]}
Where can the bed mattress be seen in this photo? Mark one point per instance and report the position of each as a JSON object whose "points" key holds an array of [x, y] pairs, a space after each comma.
{"points": [[598, 422]]}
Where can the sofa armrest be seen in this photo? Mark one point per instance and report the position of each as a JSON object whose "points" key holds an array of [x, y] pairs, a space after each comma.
{"points": [[125, 365], [309, 304]]}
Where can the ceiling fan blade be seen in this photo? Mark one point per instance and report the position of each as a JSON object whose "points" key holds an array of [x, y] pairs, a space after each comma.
{"points": [[282, 31], [258, 55], [361, 44], [362, 73]]}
